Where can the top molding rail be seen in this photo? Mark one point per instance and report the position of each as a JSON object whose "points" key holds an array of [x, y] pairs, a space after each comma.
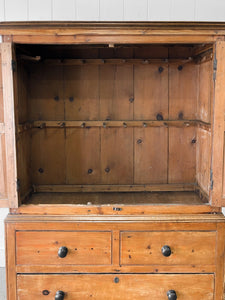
{"points": [[111, 32]]}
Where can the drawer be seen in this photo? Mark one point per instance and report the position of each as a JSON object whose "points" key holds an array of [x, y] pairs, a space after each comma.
{"points": [[63, 247], [168, 248], [126, 287]]}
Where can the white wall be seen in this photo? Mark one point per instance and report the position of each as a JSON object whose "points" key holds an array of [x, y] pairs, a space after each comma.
{"points": [[112, 10], [106, 10], [3, 214]]}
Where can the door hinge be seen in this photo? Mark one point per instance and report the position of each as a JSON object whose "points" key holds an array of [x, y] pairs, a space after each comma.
{"points": [[13, 65], [211, 180], [17, 185], [215, 64]]}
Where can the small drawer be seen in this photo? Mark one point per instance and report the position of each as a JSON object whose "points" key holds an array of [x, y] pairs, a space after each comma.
{"points": [[168, 248], [116, 287], [63, 247]]}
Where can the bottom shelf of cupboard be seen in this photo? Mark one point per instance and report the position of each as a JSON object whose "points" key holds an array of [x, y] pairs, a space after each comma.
{"points": [[115, 257]]}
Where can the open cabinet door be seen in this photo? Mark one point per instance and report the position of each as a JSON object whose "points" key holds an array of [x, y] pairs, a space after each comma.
{"points": [[8, 184], [216, 174]]}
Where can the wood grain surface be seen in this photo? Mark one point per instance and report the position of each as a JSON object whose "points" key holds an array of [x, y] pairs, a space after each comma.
{"points": [[187, 287]]}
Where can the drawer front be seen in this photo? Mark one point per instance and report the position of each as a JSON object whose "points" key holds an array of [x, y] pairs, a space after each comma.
{"points": [[63, 247], [168, 248], [102, 287]]}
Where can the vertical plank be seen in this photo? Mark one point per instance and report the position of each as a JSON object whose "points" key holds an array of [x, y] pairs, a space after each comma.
{"points": [[213, 11], [2, 11], [63, 10], [203, 161], [23, 162], [117, 155], [219, 275], [15, 11], [182, 10], [223, 194], [81, 92], [159, 10], [83, 156], [116, 92], [40, 10], [87, 10], [48, 156], [22, 92], [3, 181], [183, 91], [135, 10], [111, 10], [23, 140], [150, 155], [9, 119], [1, 91], [205, 85], [218, 126], [46, 92], [150, 99], [182, 155]]}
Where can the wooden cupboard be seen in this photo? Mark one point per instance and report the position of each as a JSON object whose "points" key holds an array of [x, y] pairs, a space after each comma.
{"points": [[112, 150]]}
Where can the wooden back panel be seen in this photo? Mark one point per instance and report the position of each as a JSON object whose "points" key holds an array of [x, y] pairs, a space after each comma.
{"points": [[114, 92], [99, 90]]}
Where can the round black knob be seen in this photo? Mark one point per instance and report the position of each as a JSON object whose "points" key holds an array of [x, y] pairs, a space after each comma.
{"points": [[59, 295], [116, 279], [62, 252], [172, 295], [166, 251]]}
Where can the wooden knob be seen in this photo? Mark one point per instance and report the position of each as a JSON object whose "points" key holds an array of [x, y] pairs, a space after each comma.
{"points": [[62, 252], [166, 251], [59, 295], [171, 295]]}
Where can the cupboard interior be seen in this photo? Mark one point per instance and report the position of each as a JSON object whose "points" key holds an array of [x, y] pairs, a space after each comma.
{"points": [[108, 124]]}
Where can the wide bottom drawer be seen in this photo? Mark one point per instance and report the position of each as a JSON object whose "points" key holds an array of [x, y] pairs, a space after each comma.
{"points": [[121, 286]]}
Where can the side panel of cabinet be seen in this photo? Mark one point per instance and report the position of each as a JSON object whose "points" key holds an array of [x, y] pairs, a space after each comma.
{"points": [[8, 191]]}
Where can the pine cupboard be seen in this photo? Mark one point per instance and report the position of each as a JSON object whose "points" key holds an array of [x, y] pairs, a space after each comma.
{"points": [[112, 160]]}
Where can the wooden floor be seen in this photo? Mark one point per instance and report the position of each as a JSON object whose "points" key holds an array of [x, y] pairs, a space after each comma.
{"points": [[135, 198]]}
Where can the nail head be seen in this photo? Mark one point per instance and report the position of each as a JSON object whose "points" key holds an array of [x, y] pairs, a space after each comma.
{"points": [[90, 171]]}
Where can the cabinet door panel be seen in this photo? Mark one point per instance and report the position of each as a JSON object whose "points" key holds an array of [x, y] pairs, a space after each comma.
{"points": [[8, 193], [216, 176]]}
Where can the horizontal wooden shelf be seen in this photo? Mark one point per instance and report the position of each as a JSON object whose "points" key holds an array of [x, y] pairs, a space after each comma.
{"points": [[69, 188], [115, 203], [105, 124], [112, 61]]}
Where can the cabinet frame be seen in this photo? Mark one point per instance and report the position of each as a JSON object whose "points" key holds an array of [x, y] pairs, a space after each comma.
{"points": [[51, 217], [112, 33]]}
